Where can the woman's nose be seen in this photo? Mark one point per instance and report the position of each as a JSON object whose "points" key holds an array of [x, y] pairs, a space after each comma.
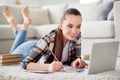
{"points": [[74, 31]]}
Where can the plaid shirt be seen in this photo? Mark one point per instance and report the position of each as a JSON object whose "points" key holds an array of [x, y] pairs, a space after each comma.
{"points": [[46, 44]]}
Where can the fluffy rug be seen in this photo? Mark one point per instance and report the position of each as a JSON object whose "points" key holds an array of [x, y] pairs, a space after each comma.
{"points": [[17, 73]]}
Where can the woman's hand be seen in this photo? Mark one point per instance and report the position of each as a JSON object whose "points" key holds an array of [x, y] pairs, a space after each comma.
{"points": [[55, 66], [78, 63]]}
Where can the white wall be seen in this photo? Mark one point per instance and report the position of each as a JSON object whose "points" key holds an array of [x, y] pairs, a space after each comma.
{"points": [[41, 2], [87, 1]]}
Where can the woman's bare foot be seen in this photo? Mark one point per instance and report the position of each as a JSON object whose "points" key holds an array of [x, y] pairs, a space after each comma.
{"points": [[26, 17], [10, 18]]}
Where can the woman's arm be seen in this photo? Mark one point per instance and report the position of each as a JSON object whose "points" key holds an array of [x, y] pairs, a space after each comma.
{"points": [[35, 53], [37, 66], [30, 63], [54, 66]]}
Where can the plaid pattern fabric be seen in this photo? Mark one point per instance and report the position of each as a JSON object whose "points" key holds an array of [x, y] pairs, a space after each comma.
{"points": [[46, 44]]}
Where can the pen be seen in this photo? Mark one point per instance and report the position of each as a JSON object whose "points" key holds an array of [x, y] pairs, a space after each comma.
{"points": [[54, 56]]}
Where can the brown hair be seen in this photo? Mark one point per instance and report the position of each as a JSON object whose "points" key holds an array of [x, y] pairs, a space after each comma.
{"points": [[59, 44]]}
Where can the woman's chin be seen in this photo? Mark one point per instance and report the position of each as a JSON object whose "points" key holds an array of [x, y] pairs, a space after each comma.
{"points": [[72, 38]]}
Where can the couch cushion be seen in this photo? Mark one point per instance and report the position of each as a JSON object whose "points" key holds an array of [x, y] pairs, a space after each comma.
{"points": [[5, 46], [97, 29], [16, 11], [102, 11], [44, 29], [39, 16], [6, 32], [108, 0], [2, 18], [110, 15], [56, 12], [85, 9]]}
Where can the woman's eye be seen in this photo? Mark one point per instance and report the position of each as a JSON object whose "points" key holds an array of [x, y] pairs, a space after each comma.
{"points": [[70, 26], [78, 26]]}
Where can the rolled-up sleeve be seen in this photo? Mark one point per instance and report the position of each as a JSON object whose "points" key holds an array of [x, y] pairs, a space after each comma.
{"points": [[25, 62], [36, 52]]}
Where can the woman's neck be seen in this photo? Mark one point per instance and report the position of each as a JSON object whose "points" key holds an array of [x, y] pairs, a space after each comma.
{"points": [[65, 41]]}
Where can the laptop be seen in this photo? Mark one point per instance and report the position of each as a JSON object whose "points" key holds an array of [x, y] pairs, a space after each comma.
{"points": [[103, 57]]}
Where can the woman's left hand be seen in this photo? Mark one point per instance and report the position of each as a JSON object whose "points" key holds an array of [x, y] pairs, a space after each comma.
{"points": [[78, 63]]}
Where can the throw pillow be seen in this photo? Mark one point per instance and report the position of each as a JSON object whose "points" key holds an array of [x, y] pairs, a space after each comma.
{"points": [[55, 12], [102, 11], [85, 9], [39, 16], [110, 15], [108, 0], [16, 11], [2, 18]]}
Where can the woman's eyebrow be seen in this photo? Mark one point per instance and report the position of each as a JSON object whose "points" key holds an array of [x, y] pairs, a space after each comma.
{"points": [[79, 25], [70, 24], [74, 25]]}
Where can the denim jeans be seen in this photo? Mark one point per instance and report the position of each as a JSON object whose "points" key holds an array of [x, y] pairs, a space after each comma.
{"points": [[21, 45]]}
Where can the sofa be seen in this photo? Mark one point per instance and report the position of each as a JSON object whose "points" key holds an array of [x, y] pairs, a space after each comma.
{"points": [[46, 18]]}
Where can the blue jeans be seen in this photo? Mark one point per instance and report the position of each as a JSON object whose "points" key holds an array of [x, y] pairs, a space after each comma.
{"points": [[21, 45]]}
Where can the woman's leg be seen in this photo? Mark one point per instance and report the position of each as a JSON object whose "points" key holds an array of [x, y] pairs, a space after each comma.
{"points": [[26, 17], [20, 34], [10, 18], [24, 49]]}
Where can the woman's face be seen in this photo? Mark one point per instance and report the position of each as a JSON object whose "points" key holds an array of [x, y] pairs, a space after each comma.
{"points": [[71, 26]]}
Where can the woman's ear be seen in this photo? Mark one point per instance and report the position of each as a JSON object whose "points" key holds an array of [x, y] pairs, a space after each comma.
{"points": [[60, 25]]}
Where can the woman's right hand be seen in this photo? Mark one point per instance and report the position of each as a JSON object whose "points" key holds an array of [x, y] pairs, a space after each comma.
{"points": [[55, 66]]}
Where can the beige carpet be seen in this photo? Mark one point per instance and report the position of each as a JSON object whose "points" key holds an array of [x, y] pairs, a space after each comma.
{"points": [[16, 73]]}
